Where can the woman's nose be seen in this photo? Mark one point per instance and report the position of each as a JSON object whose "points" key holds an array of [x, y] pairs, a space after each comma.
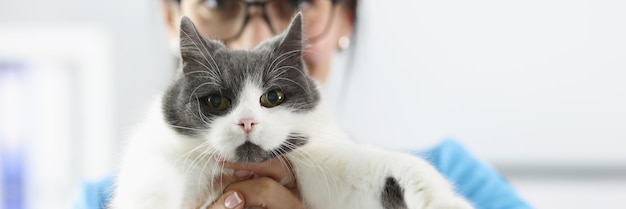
{"points": [[254, 32]]}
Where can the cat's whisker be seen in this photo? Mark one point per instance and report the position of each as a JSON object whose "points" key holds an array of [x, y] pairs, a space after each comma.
{"points": [[308, 85], [199, 115], [286, 164], [220, 170], [199, 158], [324, 171], [187, 154], [214, 170], [301, 103], [191, 164], [276, 73], [202, 171], [289, 53], [193, 92], [202, 158], [210, 71], [186, 128], [290, 80], [313, 164], [279, 74], [203, 118], [210, 56], [211, 157], [196, 45], [210, 76]]}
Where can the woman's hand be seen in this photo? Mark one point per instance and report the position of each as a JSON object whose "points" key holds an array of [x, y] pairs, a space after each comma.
{"points": [[268, 185]]}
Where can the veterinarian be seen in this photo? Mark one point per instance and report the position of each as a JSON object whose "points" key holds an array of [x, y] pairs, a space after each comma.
{"points": [[328, 25]]}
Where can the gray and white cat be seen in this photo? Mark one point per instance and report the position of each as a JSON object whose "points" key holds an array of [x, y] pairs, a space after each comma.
{"points": [[251, 106]]}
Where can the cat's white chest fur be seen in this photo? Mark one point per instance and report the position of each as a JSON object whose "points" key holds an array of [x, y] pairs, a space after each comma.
{"points": [[163, 169]]}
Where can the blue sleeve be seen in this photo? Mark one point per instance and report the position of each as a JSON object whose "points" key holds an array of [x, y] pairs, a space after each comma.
{"points": [[479, 183], [94, 195]]}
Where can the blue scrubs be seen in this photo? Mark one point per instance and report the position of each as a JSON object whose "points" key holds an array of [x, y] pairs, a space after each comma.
{"points": [[476, 181]]}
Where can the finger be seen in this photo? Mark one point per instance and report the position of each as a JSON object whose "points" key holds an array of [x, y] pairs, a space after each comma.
{"points": [[225, 180], [264, 192], [229, 200], [278, 169], [237, 175]]}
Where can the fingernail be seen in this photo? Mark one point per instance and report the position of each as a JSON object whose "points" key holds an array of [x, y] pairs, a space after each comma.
{"points": [[242, 173], [232, 200]]}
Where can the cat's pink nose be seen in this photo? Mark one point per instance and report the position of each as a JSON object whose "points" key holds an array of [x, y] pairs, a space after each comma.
{"points": [[247, 125]]}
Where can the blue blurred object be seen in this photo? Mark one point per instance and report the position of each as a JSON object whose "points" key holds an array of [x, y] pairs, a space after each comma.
{"points": [[12, 178], [95, 195], [12, 155], [476, 181]]}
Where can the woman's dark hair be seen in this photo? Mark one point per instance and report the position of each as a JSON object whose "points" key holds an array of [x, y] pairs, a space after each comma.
{"points": [[352, 5]]}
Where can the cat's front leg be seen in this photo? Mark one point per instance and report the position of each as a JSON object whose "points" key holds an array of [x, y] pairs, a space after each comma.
{"points": [[421, 186], [148, 181], [147, 191]]}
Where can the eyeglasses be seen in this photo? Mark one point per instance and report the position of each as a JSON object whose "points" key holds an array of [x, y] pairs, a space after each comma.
{"points": [[226, 19]]}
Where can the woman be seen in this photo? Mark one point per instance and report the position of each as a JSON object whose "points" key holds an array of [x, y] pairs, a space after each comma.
{"points": [[328, 25]]}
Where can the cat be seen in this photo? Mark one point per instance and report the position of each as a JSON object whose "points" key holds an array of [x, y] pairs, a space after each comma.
{"points": [[251, 106]]}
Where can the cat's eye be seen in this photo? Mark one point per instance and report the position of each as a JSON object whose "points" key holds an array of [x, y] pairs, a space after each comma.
{"points": [[272, 98], [218, 102]]}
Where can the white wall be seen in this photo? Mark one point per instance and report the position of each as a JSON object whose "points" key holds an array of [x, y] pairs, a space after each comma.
{"points": [[504, 77], [140, 50]]}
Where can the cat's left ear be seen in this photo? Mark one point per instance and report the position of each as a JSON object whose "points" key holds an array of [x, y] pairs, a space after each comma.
{"points": [[292, 43], [195, 50]]}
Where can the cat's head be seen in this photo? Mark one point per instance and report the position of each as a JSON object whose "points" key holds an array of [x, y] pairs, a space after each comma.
{"points": [[246, 105]]}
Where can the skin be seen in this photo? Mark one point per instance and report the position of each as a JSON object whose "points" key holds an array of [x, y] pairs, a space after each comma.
{"points": [[264, 188], [264, 191]]}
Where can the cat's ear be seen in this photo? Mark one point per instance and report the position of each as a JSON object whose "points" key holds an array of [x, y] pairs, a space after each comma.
{"points": [[292, 43], [195, 50]]}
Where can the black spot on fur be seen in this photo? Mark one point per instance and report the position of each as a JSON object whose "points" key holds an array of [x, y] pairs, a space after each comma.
{"points": [[392, 196]]}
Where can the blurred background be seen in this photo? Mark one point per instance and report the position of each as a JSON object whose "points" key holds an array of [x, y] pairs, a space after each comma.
{"points": [[537, 88]]}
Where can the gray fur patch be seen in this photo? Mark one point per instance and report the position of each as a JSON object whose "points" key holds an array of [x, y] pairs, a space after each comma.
{"points": [[392, 196], [252, 153], [209, 68]]}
